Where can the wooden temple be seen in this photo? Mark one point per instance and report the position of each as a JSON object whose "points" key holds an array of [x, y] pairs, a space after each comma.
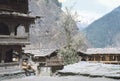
{"points": [[14, 33]]}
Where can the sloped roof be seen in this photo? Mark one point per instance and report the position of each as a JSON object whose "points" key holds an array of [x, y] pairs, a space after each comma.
{"points": [[16, 14], [41, 52], [103, 51]]}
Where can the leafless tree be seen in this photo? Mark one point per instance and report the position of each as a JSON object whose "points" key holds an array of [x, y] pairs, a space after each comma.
{"points": [[74, 39]]}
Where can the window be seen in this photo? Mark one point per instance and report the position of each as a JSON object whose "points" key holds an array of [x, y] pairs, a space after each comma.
{"points": [[11, 56], [20, 31], [4, 30]]}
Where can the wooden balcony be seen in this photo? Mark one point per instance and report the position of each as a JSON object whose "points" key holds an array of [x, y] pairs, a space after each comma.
{"points": [[54, 62], [9, 64], [7, 40]]}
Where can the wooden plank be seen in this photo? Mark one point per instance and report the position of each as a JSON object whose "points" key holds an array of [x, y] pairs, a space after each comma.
{"points": [[9, 64], [55, 63]]}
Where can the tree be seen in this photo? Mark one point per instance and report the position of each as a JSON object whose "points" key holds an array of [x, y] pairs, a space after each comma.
{"points": [[74, 39]]}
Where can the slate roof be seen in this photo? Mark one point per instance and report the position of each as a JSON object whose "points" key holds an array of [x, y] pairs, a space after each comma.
{"points": [[41, 52], [103, 51]]}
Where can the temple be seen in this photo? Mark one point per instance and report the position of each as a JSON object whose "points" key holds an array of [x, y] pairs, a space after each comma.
{"points": [[14, 33]]}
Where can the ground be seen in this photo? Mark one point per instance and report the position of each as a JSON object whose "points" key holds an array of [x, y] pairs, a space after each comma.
{"points": [[98, 70], [65, 78]]}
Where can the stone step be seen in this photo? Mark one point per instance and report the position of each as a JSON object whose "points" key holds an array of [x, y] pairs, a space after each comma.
{"points": [[14, 76], [11, 71]]}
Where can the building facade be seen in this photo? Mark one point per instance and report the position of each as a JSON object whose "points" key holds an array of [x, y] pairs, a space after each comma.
{"points": [[14, 32], [48, 61], [103, 55]]}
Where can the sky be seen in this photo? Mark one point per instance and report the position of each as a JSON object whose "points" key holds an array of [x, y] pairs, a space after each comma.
{"points": [[90, 10]]}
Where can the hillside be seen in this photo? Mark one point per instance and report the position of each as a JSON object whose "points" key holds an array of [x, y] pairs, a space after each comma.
{"points": [[105, 32], [47, 31]]}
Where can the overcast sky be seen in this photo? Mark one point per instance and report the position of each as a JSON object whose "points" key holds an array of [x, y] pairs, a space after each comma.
{"points": [[91, 9]]}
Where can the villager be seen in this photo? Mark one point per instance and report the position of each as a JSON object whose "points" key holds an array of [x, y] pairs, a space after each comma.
{"points": [[27, 68]]}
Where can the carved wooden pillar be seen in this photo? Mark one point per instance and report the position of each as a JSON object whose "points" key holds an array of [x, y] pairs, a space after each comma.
{"points": [[107, 58], [101, 58], [3, 52], [20, 57], [94, 57], [12, 30], [116, 58], [27, 29]]}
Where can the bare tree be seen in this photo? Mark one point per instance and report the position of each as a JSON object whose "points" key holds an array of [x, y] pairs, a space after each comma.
{"points": [[74, 39]]}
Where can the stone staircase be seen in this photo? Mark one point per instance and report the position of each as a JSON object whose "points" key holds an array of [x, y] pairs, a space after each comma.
{"points": [[12, 76], [10, 70], [11, 73]]}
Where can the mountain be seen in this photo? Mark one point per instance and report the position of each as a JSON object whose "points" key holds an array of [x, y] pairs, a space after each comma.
{"points": [[46, 32], [81, 26], [105, 31]]}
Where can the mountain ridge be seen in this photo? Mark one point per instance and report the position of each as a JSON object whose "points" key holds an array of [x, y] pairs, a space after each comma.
{"points": [[102, 32]]}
